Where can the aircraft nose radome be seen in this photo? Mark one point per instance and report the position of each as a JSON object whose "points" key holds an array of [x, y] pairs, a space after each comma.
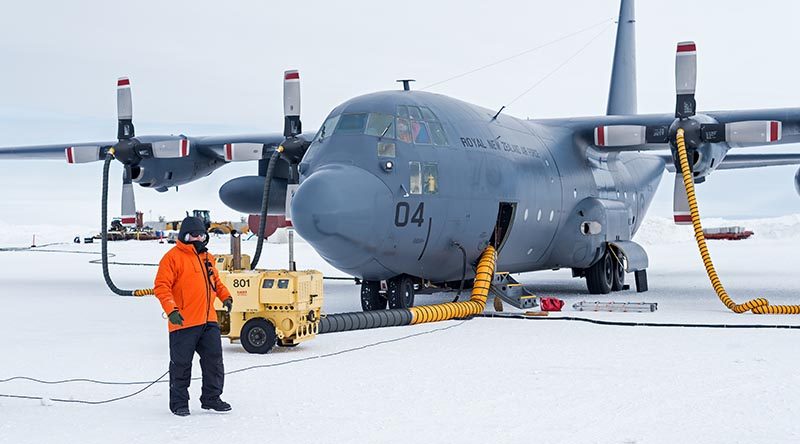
{"points": [[344, 212]]}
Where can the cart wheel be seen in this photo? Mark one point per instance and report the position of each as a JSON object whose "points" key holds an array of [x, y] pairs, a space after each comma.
{"points": [[258, 336]]}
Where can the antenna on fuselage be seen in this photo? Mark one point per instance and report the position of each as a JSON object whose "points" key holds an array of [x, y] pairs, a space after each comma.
{"points": [[406, 83]]}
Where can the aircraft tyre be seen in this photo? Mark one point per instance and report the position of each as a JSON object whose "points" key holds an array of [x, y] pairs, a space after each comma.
{"points": [[401, 292], [619, 275], [600, 276], [371, 298], [258, 336]]}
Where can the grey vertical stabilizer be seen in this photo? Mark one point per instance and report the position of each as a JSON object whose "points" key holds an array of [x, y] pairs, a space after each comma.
{"points": [[622, 93]]}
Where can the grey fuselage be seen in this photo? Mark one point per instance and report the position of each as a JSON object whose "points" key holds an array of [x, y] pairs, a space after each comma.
{"points": [[564, 198]]}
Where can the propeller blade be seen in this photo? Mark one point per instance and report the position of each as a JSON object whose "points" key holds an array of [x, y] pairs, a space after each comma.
{"points": [[620, 135], [124, 109], [685, 79], [171, 149], [680, 203], [82, 154], [291, 103], [630, 135], [128, 199], [238, 152], [748, 131]]}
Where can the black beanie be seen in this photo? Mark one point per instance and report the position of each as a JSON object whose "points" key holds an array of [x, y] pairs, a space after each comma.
{"points": [[191, 224]]}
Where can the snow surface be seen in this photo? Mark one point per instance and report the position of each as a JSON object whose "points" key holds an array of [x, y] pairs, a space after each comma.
{"points": [[483, 380]]}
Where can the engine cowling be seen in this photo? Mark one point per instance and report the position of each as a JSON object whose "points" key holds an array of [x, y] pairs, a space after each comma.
{"points": [[244, 194], [797, 181]]}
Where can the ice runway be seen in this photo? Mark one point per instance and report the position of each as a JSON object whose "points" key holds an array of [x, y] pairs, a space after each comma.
{"points": [[483, 380]]}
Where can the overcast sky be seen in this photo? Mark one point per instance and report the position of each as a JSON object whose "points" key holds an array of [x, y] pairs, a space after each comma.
{"points": [[201, 67]]}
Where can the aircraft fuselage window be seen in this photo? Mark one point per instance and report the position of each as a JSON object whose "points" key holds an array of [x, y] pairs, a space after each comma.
{"points": [[420, 132], [404, 130], [386, 149], [415, 182], [381, 125], [430, 178], [351, 123]]}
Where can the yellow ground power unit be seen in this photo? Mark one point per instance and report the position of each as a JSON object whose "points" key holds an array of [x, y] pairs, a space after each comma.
{"points": [[269, 306]]}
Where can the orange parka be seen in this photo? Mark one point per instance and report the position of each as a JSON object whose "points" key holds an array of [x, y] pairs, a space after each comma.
{"points": [[184, 283]]}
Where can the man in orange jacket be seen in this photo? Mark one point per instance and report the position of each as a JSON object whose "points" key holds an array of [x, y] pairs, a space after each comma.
{"points": [[186, 284]]}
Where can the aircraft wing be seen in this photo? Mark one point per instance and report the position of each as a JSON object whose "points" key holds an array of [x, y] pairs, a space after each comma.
{"points": [[742, 161], [53, 152]]}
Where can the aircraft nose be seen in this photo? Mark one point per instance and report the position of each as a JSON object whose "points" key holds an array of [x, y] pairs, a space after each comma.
{"points": [[344, 212]]}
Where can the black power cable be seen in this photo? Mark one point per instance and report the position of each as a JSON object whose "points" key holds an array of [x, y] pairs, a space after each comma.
{"points": [[240, 370], [104, 229], [262, 225], [633, 324]]}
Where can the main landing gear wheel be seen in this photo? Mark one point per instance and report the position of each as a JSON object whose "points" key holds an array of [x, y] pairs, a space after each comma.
{"points": [[600, 276], [619, 271], [258, 336], [401, 292], [371, 297]]}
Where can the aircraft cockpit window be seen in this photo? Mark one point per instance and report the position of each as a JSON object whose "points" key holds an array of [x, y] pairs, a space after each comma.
{"points": [[415, 182], [381, 125], [427, 114], [327, 129], [351, 123], [404, 130], [402, 111], [430, 178], [437, 133], [420, 132], [414, 113]]}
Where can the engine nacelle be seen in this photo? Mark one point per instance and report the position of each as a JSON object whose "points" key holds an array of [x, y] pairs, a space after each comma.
{"points": [[244, 194], [797, 181]]}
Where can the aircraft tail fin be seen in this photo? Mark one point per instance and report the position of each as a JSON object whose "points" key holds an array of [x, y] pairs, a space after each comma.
{"points": [[622, 93]]}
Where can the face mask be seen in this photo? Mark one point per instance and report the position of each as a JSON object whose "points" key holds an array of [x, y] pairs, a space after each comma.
{"points": [[199, 246]]}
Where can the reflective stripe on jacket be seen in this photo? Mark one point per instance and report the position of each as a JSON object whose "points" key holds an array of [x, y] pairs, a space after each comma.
{"points": [[183, 283]]}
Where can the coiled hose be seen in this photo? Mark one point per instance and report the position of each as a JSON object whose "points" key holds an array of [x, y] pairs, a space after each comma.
{"points": [[419, 315], [757, 305], [104, 236], [262, 225]]}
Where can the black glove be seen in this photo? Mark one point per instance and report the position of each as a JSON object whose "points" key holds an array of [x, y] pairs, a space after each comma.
{"points": [[228, 304], [175, 318]]}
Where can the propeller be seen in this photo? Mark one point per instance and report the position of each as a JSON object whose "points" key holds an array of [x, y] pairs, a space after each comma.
{"points": [[697, 131], [294, 145], [129, 150]]}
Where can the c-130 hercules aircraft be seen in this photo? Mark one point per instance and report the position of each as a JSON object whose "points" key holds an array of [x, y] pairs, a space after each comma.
{"points": [[402, 189]]}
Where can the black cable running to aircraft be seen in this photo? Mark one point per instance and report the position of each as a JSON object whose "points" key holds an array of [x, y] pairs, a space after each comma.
{"points": [[240, 370], [519, 54]]}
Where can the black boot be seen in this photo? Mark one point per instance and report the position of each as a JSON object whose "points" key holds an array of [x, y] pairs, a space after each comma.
{"points": [[182, 411], [216, 405]]}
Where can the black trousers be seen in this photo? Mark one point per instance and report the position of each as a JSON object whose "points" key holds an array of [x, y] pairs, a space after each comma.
{"points": [[183, 343]]}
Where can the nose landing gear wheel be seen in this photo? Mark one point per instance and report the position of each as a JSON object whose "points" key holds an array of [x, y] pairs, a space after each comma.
{"points": [[600, 276], [371, 297], [401, 292]]}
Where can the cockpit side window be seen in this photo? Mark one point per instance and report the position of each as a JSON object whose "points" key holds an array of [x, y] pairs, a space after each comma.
{"points": [[404, 130], [427, 114], [420, 132], [381, 125], [327, 129], [414, 113], [437, 133], [352, 123], [402, 111]]}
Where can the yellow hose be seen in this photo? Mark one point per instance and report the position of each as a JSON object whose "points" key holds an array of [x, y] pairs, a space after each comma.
{"points": [[475, 304], [758, 305], [144, 292]]}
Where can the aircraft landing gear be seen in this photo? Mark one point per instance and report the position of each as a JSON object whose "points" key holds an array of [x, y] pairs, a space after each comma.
{"points": [[401, 292], [619, 270], [600, 276], [371, 297]]}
